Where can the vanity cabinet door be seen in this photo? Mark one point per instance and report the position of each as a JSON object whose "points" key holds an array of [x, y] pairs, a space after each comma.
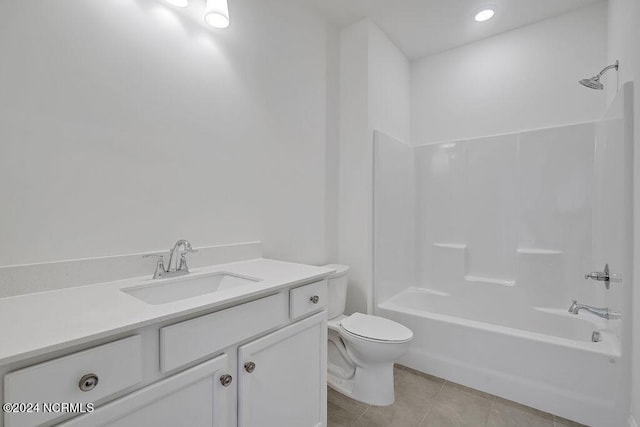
{"points": [[194, 398], [282, 377]]}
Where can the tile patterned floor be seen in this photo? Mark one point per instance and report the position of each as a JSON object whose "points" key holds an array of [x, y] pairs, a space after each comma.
{"points": [[426, 401]]}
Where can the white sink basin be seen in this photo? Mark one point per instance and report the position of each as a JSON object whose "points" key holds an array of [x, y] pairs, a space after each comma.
{"points": [[178, 288]]}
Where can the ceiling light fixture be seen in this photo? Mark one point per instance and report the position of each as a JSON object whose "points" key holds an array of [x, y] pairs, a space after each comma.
{"points": [[217, 13], [178, 3], [484, 15]]}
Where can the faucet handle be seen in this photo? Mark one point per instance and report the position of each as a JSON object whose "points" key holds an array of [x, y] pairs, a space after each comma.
{"points": [[183, 259], [157, 255], [160, 270]]}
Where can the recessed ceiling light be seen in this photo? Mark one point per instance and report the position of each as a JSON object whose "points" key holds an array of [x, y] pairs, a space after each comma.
{"points": [[178, 3], [484, 15]]}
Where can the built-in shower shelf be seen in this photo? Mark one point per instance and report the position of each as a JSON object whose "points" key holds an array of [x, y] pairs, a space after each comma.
{"points": [[536, 251], [459, 246], [490, 280]]}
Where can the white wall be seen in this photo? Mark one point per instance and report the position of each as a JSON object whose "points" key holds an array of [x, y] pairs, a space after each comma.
{"points": [[389, 87], [332, 172], [354, 248], [374, 95], [126, 125], [623, 39], [522, 79]]}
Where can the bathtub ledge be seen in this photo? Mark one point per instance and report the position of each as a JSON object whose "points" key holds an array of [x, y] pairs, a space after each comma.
{"points": [[490, 280], [536, 251]]}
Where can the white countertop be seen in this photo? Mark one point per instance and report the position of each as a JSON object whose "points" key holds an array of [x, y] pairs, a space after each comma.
{"points": [[35, 324]]}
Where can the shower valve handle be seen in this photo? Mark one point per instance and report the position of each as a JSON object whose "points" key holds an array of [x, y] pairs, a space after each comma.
{"points": [[600, 276], [597, 275]]}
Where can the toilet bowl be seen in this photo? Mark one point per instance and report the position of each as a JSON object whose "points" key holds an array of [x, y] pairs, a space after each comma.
{"points": [[362, 348]]}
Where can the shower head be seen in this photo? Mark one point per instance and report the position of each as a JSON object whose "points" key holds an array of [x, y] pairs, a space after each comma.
{"points": [[594, 82]]}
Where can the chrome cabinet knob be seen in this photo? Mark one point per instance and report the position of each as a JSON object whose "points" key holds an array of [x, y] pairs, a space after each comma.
{"points": [[314, 299], [88, 382], [226, 380], [250, 367]]}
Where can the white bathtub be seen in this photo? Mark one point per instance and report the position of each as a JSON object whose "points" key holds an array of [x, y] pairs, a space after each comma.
{"points": [[540, 357]]}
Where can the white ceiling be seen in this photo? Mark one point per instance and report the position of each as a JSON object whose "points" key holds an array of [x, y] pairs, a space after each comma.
{"points": [[424, 27]]}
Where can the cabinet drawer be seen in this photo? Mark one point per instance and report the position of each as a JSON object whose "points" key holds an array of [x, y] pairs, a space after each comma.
{"points": [[117, 366], [307, 299], [197, 338]]}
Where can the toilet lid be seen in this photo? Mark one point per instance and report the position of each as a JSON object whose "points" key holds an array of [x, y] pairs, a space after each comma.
{"points": [[376, 328]]}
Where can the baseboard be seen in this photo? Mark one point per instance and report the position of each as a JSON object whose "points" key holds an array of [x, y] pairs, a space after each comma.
{"points": [[632, 421]]}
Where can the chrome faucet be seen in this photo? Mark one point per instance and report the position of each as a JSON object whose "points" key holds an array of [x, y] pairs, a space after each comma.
{"points": [[175, 268], [175, 252], [600, 312]]}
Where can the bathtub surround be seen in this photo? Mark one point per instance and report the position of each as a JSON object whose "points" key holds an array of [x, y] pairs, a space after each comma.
{"points": [[520, 217], [394, 204], [495, 186], [151, 126], [505, 228]]}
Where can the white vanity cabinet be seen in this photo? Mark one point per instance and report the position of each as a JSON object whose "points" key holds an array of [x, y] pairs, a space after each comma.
{"points": [[259, 362]]}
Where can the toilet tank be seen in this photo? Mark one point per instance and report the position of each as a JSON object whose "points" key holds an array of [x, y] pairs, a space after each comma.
{"points": [[337, 287]]}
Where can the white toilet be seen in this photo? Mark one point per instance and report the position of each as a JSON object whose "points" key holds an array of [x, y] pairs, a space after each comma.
{"points": [[362, 348]]}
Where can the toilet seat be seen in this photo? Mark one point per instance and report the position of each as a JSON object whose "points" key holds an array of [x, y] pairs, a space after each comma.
{"points": [[374, 328]]}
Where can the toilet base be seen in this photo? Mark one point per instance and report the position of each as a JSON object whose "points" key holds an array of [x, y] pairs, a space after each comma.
{"points": [[372, 385], [341, 385]]}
